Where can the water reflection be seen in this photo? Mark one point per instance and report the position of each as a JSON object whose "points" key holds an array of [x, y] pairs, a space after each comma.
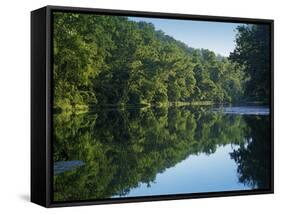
{"points": [[149, 151]]}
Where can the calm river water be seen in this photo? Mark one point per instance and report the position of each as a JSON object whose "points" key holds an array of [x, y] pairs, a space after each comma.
{"points": [[160, 151]]}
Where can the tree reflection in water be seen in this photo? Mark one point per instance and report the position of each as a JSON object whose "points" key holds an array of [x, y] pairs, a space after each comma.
{"points": [[253, 157], [123, 148]]}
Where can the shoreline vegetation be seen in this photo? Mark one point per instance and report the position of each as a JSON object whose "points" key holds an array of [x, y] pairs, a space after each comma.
{"points": [[111, 61], [81, 109]]}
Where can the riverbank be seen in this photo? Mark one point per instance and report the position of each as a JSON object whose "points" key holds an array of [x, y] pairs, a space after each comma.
{"points": [[81, 108], [149, 105]]}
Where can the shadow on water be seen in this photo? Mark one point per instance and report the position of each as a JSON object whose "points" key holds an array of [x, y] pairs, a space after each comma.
{"points": [[120, 149]]}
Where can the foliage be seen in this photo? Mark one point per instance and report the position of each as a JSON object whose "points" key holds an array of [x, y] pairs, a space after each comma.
{"points": [[111, 60], [252, 51]]}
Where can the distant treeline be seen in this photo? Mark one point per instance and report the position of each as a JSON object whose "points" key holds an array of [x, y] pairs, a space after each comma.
{"points": [[110, 60]]}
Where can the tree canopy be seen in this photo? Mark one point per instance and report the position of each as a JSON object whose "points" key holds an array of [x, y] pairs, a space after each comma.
{"points": [[111, 60], [252, 51]]}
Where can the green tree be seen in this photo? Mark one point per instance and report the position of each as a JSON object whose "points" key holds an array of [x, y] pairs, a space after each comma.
{"points": [[252, 51]]}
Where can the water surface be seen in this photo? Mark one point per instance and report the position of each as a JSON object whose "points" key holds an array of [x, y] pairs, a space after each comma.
{"points": [[160, 151]]}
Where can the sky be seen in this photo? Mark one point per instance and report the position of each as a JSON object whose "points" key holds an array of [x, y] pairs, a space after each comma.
{"points": [[216, 36]]}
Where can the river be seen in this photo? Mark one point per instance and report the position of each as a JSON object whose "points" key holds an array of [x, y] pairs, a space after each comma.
{"points": [[160, 151]]}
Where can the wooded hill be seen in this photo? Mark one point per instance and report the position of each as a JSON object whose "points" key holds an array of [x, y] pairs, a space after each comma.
{"points": [[110, 60]]}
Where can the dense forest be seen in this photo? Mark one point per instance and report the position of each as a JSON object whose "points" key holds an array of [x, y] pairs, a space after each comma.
{"points": [[113, 61], [122, 149], [135, 81]]}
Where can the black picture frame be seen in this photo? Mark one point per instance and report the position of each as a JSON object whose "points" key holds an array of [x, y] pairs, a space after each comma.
{"points": [[41, 105]]}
